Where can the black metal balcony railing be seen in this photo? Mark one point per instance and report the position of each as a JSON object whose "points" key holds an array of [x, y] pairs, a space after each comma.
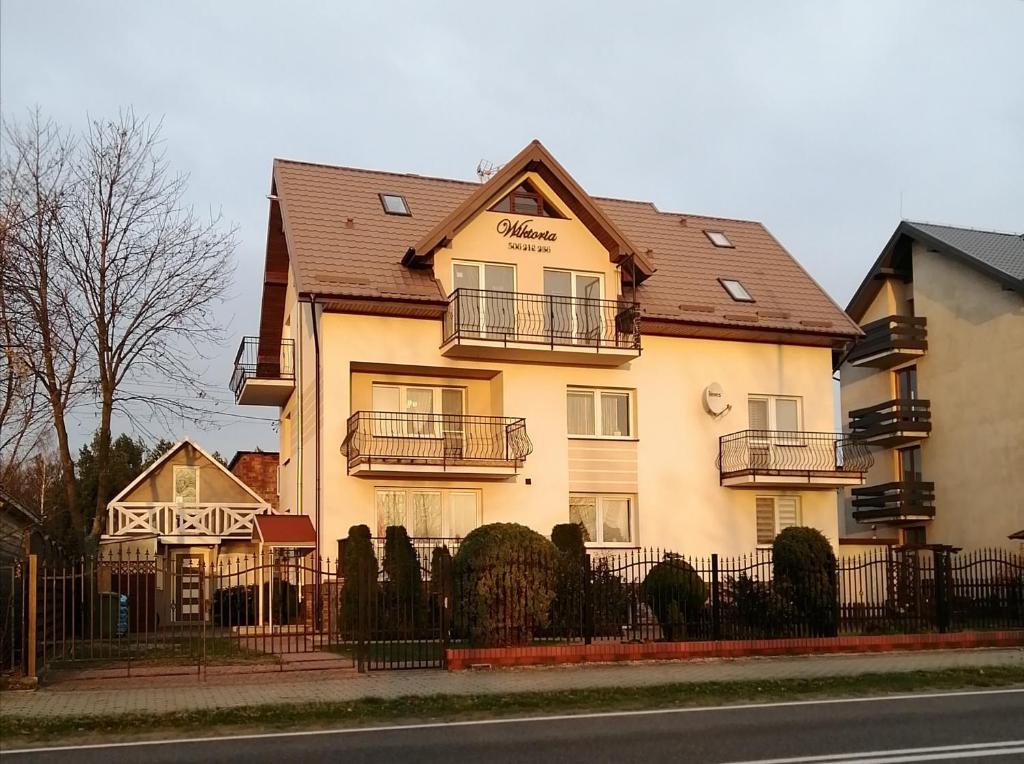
{"points": [[436, 439], [256, 361], [890, 335], [902, 500], [542, 319], [903, 416], [781, 452]]}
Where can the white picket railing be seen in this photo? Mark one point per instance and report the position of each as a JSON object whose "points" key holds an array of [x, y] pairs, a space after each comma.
{"points": [[153, 519]]}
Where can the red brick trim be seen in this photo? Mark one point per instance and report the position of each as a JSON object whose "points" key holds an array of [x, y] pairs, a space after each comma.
{"points": [[606, 652]]}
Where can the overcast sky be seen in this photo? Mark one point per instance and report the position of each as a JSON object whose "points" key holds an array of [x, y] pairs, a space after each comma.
{"points": [[820, 119]]}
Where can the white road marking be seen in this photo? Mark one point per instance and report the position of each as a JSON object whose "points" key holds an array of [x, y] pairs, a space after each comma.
{"points": [[894, 756], [517, 720]]}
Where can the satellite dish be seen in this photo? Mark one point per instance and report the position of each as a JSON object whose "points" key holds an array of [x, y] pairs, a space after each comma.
{"points": [[714, 399]]}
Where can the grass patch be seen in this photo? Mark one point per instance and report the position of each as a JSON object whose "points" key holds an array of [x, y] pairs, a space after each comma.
{"points": [[15, 731]]}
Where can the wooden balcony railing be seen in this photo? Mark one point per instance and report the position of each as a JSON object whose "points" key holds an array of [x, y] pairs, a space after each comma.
{"points": [[165, 519], [441, 440], [893, 422], [902, 501], [890, 341]]}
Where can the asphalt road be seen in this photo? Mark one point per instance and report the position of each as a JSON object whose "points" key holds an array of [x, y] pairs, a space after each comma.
{"points": [[978, 726]]}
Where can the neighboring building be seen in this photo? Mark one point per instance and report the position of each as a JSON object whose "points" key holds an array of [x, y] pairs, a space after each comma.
{"points": [[935, 385], [21, 532], [260, 471], [446, 353]]}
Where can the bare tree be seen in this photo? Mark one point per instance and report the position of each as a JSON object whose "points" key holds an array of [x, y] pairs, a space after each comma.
{"points": [[148, 271], [42, 325]]}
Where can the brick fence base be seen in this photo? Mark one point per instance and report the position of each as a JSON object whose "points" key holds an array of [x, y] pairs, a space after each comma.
{"points": [[607, 652]]}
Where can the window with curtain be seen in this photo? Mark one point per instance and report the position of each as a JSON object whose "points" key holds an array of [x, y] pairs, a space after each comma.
{"points": [[605, 519], [421, 401], [773, 514], [186, 485], [777, 413], [428, 512], [600, 413]]}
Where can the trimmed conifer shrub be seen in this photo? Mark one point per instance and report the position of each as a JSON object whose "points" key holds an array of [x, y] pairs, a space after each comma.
{"points": [[676, 593], [567, 609], [804, 568], [402, 606], [504, 584], [359, 569]]}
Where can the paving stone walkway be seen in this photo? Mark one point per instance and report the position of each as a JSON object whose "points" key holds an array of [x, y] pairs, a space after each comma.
{"points": [[168, 694]]}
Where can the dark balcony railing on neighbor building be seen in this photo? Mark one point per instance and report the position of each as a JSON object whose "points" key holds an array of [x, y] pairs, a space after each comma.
{"points": [[445, 440], [890, 341], [902, 501], [276, 362], [780, 453], [893, 422], [541, 319]]}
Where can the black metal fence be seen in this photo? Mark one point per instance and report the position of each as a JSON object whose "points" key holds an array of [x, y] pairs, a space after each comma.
{"points": [[435, 439], [541, 319], [404, 609], [780, 452]]}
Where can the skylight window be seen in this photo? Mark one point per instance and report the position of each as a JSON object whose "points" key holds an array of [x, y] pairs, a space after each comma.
{"points": [[736, 290], [718, 238], [394, 204]]}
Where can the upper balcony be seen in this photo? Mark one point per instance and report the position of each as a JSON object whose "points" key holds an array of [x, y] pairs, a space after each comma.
{"points": [[902, 502], [892, 423], [443, 445], [264, 372], [890, 341], [539, 327], [181, 523], [785, 459]]}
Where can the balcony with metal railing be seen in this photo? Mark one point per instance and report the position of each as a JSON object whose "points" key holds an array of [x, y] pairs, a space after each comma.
{"points": [[890, 341], [264, 373], [791, 459], [444, 445], [892, 423], [902, 502], [520, 326]]}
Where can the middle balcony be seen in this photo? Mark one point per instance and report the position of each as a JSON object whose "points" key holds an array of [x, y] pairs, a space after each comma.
{"points": [[518, 326], [393, 443], [784, 459]]}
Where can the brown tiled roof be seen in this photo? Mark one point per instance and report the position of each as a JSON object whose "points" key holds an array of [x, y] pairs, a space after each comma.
{"points": [[342, 244]]}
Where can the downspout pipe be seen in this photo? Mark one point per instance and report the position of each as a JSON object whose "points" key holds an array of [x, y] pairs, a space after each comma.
{"points": [[315, 328]]}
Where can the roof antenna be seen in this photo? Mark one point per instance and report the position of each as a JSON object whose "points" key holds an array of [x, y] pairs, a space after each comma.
{"points": [[486, 169]]}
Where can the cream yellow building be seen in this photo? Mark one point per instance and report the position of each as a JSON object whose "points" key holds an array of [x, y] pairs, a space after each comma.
{"points": [[445, 354], [935, 386]]}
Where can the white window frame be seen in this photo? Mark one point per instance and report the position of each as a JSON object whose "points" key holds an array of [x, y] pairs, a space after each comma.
{"points": [[722, 243], [578, 338], [730, 287], [776, 527], [436, 431], [600, 498], [596, 397], [773, 419], [174, 480], [445, 494]]}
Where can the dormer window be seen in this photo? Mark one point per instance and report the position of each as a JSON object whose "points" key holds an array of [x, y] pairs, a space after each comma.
{"points": [[394, 204], [719, 239], [525, 199], [736, 290]]}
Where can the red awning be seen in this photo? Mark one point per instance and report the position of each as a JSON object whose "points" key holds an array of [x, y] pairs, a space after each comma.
{"points": [[285, 530]]}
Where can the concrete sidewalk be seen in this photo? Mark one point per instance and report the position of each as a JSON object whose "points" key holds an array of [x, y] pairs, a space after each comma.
{"points": [[151, 695]]}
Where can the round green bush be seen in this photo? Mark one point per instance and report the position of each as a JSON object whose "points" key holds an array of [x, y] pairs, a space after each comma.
{"points": [[504, 580], [676, 594], [805, 573], [568, 539]]}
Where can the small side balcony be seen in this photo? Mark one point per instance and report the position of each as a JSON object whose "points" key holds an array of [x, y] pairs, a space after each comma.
{"points": [[903, 502], [181, 523], [519, 326], [784, 459], [892, 423], [400, 444], [264, 372], [890, 341]]}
